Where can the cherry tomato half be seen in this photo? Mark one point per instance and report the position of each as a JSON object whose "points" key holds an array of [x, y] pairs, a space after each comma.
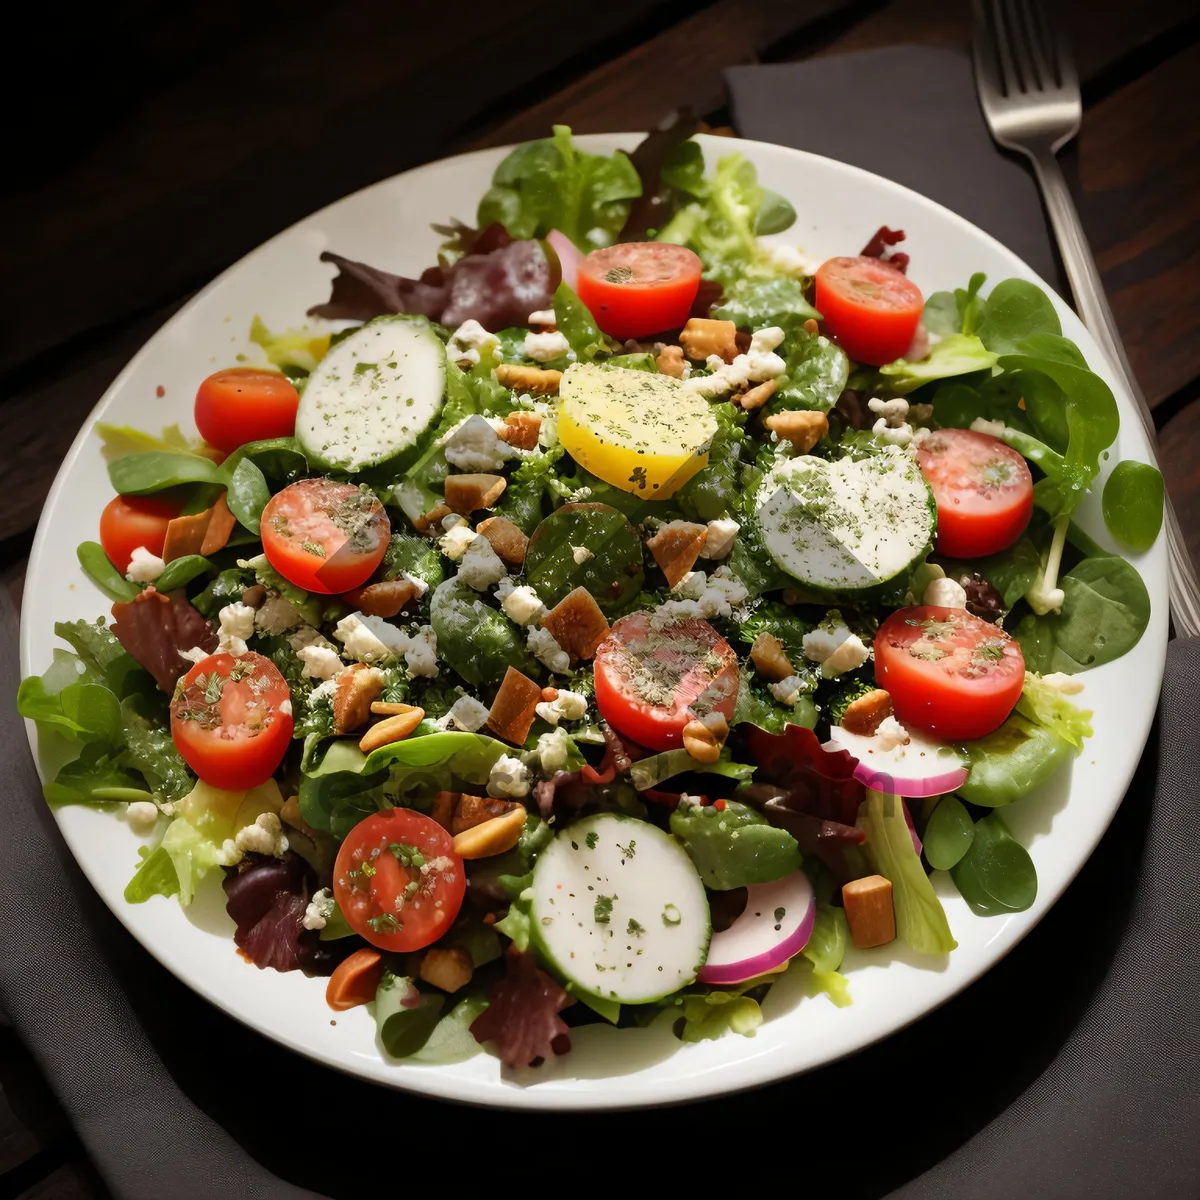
{"points": [[650, 683], [398, 881], [870, 308], [983, 489], [244, 404], [128, 522], [638, 288], [947, 671], [231, 719], [323, 536]]}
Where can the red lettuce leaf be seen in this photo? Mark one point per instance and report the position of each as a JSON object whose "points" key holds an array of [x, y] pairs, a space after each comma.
{"points": [[878, 247], [658, 201], [155, 628], [522, 1015]]}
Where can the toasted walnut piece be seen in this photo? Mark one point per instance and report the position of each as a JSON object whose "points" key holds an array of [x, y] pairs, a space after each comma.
{"points": [[357, 686], [577, 624], [509, 543], [811, 326], [514, 707], [770, 659], [391, 729], [521, 429], [865, 714], [756, 397], [383, 599], [529, 379], [802, 428], [670, 362], [676, 546], [432, 519], [254, 595], [701, 742], [470, 811], [701, 337], [492, 837], [443, 809], [221, 524], [467, 493], [869, 911], [449, 969]]}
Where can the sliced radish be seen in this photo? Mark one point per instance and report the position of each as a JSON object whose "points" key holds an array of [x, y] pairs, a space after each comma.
{"points": [[775, 926], [569, 256], [922, 766]]}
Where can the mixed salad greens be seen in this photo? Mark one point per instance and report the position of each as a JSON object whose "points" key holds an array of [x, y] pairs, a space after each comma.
{"points": [[619, 615]]}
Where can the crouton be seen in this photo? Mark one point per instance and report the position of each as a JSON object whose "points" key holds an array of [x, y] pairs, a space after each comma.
{"points": [[701, 337], [383, 599], [521, 430], [432, 520], [804, 429], [185, 535], [867, 713], [514, 707], [538, 380], [770, 659], [869, 911], [450, 969], [509, 543], [466, 494], [676, 546], [577, 624], [220, 526], [670, 362], [470, 811]]}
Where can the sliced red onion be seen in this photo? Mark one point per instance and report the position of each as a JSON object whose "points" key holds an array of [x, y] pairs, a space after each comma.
{"points": [[569, 256], [922, 766], [774, 926]]}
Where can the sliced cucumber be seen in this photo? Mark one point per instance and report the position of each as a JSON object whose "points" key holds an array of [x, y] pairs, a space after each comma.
{"points": [[373, 395], [619, 911], [849, 525]]}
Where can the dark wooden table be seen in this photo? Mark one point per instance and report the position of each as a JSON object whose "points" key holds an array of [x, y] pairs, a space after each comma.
{"points": [[192, 132]]}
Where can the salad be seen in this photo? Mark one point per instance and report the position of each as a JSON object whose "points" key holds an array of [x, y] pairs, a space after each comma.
{"points": [[623, 613]]}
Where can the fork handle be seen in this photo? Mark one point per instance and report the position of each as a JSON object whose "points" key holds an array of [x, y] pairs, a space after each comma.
{"points": [[1092, 306]]}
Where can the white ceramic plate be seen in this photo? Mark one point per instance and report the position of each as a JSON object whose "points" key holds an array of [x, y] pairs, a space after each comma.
{"points": [[388, 226]]}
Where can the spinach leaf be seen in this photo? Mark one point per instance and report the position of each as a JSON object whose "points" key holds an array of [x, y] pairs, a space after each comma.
{"points": [[958, 354], [97, 777], [104, 656], [774, 215], [576, 323], [103, 574], [817, 372], [477, 641], [305, 603], [733, 847], [143, 474], [1012, 761], [649, 772], [1133, 504], [1016, 310], [225, 589], [280, 459], [1011, 572], [996, 875], [948, 834], [181, 571], [248, 494], [941, 316], [1104, 614]]}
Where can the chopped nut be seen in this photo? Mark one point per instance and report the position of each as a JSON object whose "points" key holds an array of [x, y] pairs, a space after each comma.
{"points": [[443, 809], [470, 811], [670, 362], [514, 707], [508, 541], [770, 659], [701, 742], [391, 708], [869, 911], [466, 494], [221, 524], [577, 624], [865, 714], [521, 429], [357, 686], [449, 969], [391, 729], [804, 429], [756, 397], [538, 380], [432, 519], [383, 599], [492, 837], [811, 326], [254, 595], [701, 337], [676, 546]]}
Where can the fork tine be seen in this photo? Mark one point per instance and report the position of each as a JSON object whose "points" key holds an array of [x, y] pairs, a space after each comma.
{"points": [[1064, 63], [1035, 43], [1010, 76]]}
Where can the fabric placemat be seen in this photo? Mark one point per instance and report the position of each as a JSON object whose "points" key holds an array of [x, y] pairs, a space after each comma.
{"points": [[1069, 1070]]}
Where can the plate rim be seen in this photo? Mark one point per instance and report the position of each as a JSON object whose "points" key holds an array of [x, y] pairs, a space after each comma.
{"points": [[755, 1071]]}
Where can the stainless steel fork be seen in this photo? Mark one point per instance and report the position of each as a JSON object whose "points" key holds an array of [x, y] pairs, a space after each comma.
{"points": [[1029, 93]]}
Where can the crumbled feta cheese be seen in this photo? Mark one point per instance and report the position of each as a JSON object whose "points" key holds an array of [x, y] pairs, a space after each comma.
{"points": [[480, 566], [285, 708], [308, 635], [142, 816], [519, 603], [543, 646], [982, 425], [722, 593], [420, 587], [320, 662], [265, 836], [579, 495], [719, 540], [764, 363], [891, 733], [553, 750], [1064, 685], [849, 656], [787, 691], [319, 910], [581, 554], [323, 691], [194, 655], [691, 585], [670, 612], [236, 625], [144, 567], [370, 639], [510, 778], [544, 318], [545, 346], [790, 260], [469, 341], [894, 412], [457, 540], [421, 655], [567, 706], [945, 593], [476, 446], [757, 365], [276, 615], [467, 714], [893, 435], [833, 646]]}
